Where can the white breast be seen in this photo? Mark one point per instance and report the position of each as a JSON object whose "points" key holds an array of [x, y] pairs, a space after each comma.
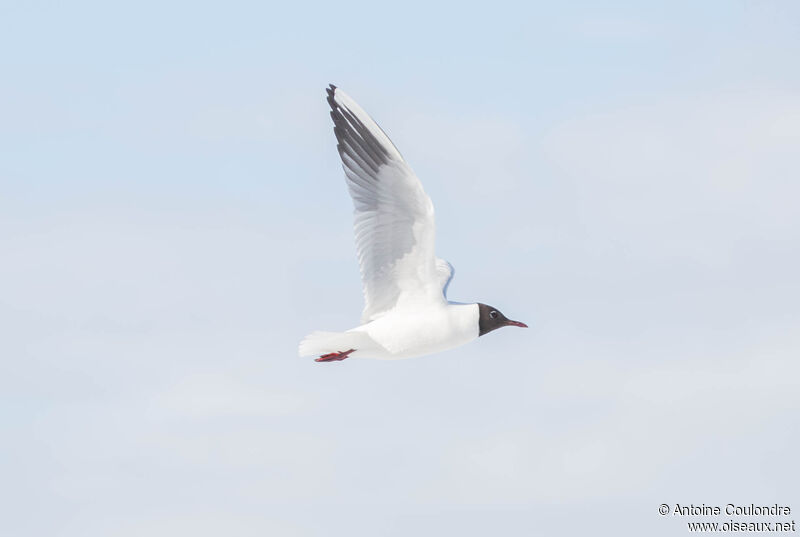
{"points": [[414, 332]]}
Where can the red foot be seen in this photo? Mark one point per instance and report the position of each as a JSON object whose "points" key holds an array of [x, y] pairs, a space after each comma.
{"points": [[334, 356]]}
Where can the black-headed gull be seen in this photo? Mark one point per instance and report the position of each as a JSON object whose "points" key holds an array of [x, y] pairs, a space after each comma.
{"points": [[406, 311]]}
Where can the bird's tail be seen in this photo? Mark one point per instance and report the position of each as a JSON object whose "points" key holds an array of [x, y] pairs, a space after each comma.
{"points": [[317, 343]]}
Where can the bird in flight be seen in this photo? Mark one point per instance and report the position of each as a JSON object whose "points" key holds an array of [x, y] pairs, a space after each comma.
{"points": [[406, 311]]}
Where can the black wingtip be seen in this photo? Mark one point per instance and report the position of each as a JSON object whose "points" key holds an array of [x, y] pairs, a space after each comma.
{"points": [[330, 91]]}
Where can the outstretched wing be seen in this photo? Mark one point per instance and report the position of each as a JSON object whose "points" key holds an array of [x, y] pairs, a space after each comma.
{"points": [[394, 224]]}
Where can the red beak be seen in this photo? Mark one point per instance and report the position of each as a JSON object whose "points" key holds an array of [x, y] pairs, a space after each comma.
{"points": [[516, 323]]}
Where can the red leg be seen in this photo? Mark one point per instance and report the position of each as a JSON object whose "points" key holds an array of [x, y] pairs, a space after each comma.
{"points": [[334, 356]]}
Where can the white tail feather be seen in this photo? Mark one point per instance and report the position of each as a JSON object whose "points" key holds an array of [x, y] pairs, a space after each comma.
{"points": [[317, 343]]}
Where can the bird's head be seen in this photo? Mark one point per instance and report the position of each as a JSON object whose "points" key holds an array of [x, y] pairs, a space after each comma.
{"points": [[490, 318]]}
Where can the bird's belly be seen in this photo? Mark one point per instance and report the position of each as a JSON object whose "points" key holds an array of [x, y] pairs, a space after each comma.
{"points": [[408, 335]]}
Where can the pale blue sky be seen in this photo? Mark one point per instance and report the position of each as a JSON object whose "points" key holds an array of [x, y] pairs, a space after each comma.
{"points": [[173, 219]]}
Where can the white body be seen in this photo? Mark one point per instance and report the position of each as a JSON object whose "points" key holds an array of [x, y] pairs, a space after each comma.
{"points": [[401, 333]]}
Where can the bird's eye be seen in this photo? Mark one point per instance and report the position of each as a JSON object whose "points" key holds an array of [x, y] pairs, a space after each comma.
{"points": [[493, 314]]}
